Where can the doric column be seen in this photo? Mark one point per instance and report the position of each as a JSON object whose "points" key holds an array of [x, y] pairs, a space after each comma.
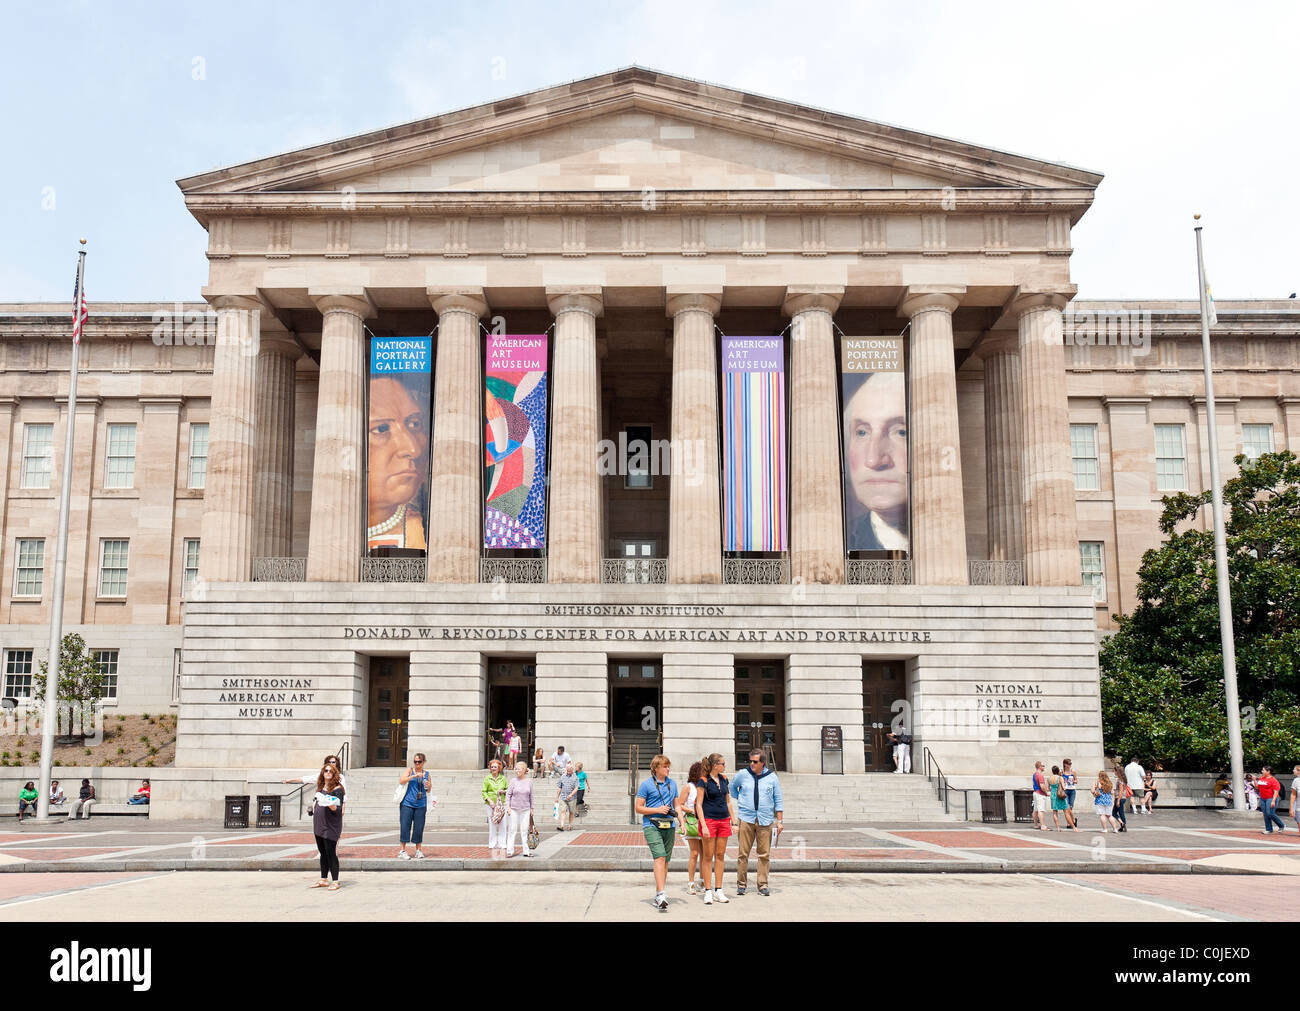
{"points": [[1051, 527], [277, 360], [456, 539], [337, 537], [816, 503], [227, 531], [1006, 522], [576, 536], [694, 514], [934, 452]]}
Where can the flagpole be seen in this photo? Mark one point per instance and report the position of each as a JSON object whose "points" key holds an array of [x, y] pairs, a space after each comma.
{"points": [[1221, 551], [51, 718]]}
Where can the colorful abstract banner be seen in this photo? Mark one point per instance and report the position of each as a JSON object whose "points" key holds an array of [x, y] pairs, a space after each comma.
{"points": [[397, 443], [515, 442], [876, 486], [753, 444]]}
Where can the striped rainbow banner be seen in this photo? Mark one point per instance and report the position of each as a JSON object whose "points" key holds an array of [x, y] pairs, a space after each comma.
{"points": [[753, 444]]}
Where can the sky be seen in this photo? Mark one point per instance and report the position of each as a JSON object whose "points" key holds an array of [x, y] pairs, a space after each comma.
{"points": [[1185, 108]]}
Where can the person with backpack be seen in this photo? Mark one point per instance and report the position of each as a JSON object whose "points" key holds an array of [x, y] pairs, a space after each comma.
{"points": [[761, 811]]}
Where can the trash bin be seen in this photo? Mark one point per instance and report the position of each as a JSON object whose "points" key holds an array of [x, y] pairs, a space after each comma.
{"points": [[1024, 805], [993, 806], [268, 810], [236, 811]]}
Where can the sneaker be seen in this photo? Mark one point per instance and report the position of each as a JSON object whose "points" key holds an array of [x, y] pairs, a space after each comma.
{"points": [[718, 896], [527, 854], [403, 855], [764, 890], [708, 897], [740, 889], [661, 902], [691, 889], [419, 854]]}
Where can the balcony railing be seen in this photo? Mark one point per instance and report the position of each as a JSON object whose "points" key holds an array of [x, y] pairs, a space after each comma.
{"points": [[878, 571], [634, 570], [392, 570], [512, 570], [279, 570], [990, 573], [756, 571]]}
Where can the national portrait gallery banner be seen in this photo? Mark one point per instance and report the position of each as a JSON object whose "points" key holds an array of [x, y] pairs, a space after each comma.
{"points": [[876, 487], [514, 408], [397, 444], [753, 444]]}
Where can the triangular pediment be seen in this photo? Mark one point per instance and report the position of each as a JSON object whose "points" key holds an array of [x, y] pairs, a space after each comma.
{"points": [[636, 129]]}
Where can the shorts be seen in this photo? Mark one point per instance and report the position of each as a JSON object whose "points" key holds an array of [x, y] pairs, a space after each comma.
{"points": [[569, 805], [660, 841], [1137, 792], [1040, 802], [719, 828]]}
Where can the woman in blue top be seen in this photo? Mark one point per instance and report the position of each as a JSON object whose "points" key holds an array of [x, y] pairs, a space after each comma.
{"points": [[717, 815], [1104, 801], [414, 807]]}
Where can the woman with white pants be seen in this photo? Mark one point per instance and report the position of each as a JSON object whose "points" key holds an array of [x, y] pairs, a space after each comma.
{"points": [[519, 809], [494, 793]]}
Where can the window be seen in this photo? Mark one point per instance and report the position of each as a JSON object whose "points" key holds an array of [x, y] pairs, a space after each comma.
{"points": [[198, 456], [636, 561], [191, 554], [29, 577], [38, 455], [120, 472], [112, 568], [106, 661], [1256, 440], [18, 673], [1083, 447], [1171, 458], [1093, 568], [639, 447], [176, 676]]}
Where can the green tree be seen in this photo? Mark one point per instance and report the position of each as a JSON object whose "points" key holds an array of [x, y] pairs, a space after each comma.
{"points": [[1162, 689], [80, 681]]}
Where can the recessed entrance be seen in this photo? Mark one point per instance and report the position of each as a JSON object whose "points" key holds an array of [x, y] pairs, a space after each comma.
{"points": [[883, 684], [760, 712], [635, 705], [390, 703], [511, 691]]}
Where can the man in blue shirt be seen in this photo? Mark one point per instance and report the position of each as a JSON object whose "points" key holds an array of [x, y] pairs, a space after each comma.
{"points": [[659, 806], [757, 792]]}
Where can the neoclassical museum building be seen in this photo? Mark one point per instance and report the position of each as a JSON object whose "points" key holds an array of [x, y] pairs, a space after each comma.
{"points": [[638, 411]]}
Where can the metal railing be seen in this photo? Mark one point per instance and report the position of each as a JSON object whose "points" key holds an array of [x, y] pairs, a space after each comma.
{"points": [[512, 570], [934, 774], [392, 570], [279, 570], [997, 573], [634, 570], [756, 571], [633, 772], [344, 755], [878, 572]]}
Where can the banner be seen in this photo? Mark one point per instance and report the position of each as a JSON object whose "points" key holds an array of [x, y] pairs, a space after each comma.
{"points": [[514, 408], [753, 444], [876, 486], [397, 443]]}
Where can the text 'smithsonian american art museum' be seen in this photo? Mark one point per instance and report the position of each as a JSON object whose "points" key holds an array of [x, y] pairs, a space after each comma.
{"points": [[636, 411]]}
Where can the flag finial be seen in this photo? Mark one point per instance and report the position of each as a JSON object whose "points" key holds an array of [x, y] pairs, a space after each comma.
{"points": [[83, 241], [1195, 217]]}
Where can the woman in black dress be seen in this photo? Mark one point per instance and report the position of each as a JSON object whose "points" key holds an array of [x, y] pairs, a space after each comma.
{"points": [[327, 823]]}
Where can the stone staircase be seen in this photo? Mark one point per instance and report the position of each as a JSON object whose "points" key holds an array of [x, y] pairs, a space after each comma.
{"points": [[879, 798]]}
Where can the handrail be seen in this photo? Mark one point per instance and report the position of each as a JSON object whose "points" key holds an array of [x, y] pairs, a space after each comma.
{"points": [[344, 754], [633, 770], [942, 786], [300, 790]]}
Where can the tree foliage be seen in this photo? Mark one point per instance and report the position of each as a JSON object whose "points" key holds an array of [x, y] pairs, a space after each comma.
{"points": [[80, 680], [1162, 688]]}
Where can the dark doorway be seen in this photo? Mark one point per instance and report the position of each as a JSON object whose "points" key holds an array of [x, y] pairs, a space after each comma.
{"points": [[883, 684], [635, 705], [760, 712], [390, 702], [511, 691]]}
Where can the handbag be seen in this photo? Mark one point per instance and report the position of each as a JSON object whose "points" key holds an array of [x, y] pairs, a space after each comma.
{"points": [[534, 837], [498, 812], [399, 794], [1060, 789], [692, 829]]}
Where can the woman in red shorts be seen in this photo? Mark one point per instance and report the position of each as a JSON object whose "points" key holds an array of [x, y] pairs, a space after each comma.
{"points": [[717, 813]]}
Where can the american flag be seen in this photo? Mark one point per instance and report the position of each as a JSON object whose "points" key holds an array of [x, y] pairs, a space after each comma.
{"points": [[79, 311]]}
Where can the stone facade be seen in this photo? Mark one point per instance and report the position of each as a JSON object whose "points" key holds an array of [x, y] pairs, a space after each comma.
{"points": [[636, 214]]}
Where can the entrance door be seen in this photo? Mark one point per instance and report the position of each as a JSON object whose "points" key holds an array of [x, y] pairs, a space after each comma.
{"points": [[390, 703], [883, 683], [760, 711], [510, 693], [635, 705]]}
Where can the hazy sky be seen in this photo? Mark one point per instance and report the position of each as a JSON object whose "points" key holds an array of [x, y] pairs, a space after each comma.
{"points": [[1187, 107]]}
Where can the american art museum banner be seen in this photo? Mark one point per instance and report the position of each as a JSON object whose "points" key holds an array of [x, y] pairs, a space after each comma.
{"points": [[753, 444], [514, 409]]}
